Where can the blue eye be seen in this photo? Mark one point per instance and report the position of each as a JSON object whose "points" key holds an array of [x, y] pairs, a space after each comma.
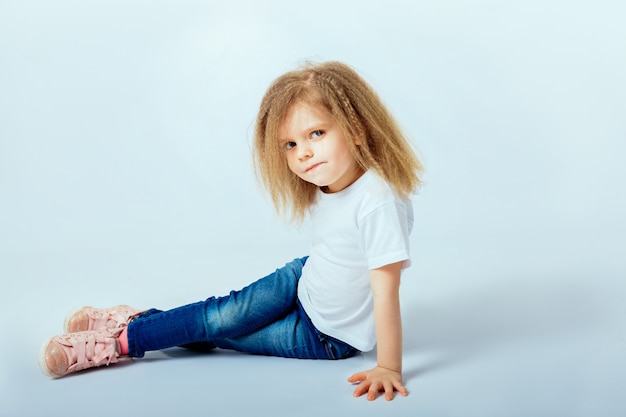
{"points": [[290, 145], [317, 134]]}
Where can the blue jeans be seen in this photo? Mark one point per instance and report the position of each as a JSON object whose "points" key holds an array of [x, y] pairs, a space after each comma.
{"points": [[263, 318]]}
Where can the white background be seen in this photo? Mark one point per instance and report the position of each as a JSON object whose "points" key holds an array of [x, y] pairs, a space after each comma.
{"points": [[125, 177]]}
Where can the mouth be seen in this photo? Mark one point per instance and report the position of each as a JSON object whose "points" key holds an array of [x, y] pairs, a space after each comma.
{"points": [[312, 167]]}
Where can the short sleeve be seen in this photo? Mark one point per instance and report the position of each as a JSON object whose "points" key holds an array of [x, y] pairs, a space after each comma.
{"points": [[385, 234]]}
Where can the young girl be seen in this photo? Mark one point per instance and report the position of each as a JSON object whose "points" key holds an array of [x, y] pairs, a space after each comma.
{"points": [[325, 146]]}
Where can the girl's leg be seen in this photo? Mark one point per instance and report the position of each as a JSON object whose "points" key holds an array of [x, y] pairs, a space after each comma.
{"points": [[225, 318], [293, 336]]}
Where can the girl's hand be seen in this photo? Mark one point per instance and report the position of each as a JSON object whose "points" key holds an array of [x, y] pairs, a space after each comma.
{"points": [[377, 380]]}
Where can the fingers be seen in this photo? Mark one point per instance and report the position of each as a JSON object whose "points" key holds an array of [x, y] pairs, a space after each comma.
{"points": [[361, 389], [370, 388], [373, 390], [376, 389], [401, 389], [388, 386], [372, 393], [374, 383], [358, 377]]}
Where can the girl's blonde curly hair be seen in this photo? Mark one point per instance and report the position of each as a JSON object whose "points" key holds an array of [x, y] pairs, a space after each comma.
{"points": [[372, 133]]}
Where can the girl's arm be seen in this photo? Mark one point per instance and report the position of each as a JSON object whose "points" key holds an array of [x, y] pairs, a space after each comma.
{"points": [[387, 375]]}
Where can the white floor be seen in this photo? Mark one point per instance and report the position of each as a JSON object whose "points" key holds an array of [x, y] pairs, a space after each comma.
{"points": [[125, 177], [492, 329]]}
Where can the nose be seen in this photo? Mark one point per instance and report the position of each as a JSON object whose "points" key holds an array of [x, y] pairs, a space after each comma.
{"points": [[304, 151]]}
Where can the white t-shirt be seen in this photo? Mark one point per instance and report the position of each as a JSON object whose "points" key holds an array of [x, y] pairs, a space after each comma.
{"points": [[364, 227]]}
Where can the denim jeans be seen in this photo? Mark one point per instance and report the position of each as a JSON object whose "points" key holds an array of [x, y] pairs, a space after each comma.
{"points": [[263, 318]]}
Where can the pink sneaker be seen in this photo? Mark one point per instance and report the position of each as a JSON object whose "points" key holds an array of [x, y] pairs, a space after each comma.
{"points": [[72, 352], [89, 318]]}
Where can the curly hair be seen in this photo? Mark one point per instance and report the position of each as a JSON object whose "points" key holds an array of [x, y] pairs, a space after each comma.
{"points": [[373, 135]]}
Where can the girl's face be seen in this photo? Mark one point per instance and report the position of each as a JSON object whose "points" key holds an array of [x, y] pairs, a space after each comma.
{"points": [[316, 149]]}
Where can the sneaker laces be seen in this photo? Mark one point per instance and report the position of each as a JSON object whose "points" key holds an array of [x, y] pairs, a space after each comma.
{"points": [[90, 349], [119, 316], [89, 318]]}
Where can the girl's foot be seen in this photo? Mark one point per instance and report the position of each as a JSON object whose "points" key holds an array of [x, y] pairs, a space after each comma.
{"points": [[89, 318], [72, 352]]}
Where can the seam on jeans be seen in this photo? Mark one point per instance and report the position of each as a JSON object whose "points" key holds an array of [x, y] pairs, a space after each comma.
{"points": [[329, 348]]}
